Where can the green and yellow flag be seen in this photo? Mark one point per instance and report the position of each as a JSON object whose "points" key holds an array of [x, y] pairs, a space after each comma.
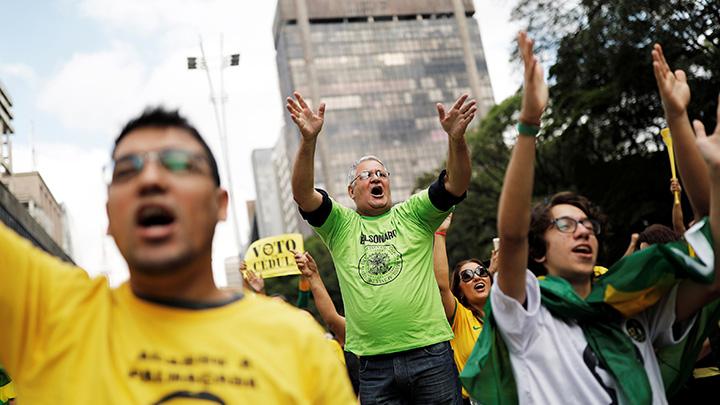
{"points": [[7, 391]]}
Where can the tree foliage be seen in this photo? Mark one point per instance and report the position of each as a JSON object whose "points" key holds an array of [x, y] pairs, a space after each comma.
{"points": [[601, 132]]}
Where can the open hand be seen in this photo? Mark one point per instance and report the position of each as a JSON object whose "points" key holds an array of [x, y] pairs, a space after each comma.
{"points": [[673, 87], [535, 90], [709, 145], [456, 121], [310, 123], [306, 264]]}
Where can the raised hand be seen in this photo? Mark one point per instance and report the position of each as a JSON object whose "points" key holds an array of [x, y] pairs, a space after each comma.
{"points": [[445, 224], [535, 90], [709, 146], [310, 123], [255, 280], [673, 86], [306, 264], [675, 186], [456, 121]]}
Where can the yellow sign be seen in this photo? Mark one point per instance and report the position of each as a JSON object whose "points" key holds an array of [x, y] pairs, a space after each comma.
{"points": [[667, 139], [273, 256]]}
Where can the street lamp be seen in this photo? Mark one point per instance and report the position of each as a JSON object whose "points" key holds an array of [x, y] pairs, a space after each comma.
{"points": [[225, 61]]}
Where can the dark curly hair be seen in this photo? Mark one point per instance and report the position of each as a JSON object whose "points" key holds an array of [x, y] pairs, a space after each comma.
{"points": [[455, 280], [541, 220], [657, 233]]}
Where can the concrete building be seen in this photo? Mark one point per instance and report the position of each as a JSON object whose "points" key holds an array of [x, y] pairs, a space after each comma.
{"points": [[26, 204], [381, 67], [32, 192], [6, 130]]}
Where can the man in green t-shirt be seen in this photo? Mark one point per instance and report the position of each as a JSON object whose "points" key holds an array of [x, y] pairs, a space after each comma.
{"points": [[383, 258]]}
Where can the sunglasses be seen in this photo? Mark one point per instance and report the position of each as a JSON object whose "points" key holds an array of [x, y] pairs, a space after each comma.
{"points": [[176, 161], [467, 275]]}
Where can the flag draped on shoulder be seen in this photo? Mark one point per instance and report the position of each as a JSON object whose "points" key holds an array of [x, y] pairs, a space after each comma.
{"points": [[631, 286]]}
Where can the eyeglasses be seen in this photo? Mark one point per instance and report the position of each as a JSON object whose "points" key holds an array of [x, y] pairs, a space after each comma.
{"points": [[569, 224], [176, 161], [467, 275], [366, 174]]}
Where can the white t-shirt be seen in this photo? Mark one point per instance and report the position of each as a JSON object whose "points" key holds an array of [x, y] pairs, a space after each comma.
{"points": [[552, 361]]}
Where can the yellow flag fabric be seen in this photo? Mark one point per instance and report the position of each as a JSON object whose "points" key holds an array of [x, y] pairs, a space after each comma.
{"points": [[273, 256]]}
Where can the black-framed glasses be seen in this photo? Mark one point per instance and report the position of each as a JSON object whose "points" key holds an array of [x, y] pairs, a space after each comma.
{"points": [[176, 161], [366, 174], [569, 224], [467, 275]]}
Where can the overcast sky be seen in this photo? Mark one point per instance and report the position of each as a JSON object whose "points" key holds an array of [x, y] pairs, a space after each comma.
{"points": [[77, 70]]}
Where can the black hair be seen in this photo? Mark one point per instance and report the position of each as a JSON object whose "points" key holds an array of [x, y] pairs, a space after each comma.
{"points": [[159, 117], [657, 233], [540, 221]]}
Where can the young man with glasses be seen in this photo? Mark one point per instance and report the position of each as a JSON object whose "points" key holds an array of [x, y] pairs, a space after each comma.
{"points": [[383, 258], [565, 338], [169, 333]]}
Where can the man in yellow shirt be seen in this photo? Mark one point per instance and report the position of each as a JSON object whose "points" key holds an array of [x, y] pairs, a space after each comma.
{"points": [[168, 334]]}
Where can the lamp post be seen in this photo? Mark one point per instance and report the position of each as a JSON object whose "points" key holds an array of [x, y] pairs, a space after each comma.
{"points": [[225, 61]]}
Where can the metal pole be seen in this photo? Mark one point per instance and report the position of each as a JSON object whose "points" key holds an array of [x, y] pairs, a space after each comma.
{"points": [[223, 141]]}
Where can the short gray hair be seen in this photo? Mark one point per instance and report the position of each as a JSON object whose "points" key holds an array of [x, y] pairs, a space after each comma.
{"points": [[353, 168]]}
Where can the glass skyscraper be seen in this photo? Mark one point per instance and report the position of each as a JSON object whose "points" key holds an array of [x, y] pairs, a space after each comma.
{"points": [[380, 66]]}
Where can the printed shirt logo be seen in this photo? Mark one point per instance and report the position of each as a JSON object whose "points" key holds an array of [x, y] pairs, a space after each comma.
{"points": [[380, 264], [635, 330]]}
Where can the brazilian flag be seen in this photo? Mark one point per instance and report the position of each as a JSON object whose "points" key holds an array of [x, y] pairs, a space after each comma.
{"points": [[631, 286], [7, 392]]}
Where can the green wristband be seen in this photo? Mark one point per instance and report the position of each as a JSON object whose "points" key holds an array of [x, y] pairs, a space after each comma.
{"points": [[527, 129]]}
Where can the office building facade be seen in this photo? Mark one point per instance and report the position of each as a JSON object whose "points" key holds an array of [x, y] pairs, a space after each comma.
{"points": [[380, 67]]}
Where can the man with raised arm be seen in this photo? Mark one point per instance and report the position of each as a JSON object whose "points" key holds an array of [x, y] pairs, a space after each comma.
{"points": [[168, 335], [383, 257], [567, 339]]}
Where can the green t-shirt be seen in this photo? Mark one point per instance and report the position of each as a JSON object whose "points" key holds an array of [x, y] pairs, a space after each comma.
{"points": [[385, 269]]}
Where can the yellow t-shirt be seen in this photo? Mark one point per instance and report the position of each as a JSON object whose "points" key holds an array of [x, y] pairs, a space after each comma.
{"points": [[70, 339], [466, 328]]}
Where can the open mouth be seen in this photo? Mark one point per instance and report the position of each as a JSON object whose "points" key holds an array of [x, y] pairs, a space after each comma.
{"points": [[583, 251], [376, 191], [155, 221], [479, 286]]}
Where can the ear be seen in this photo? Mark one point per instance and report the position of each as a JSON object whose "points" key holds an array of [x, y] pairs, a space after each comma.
{"points": [[222, 204], [351, 192], [108, 230]]}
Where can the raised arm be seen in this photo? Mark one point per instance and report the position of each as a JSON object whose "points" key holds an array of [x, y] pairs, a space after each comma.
{"points": [[515, 198], [677, 214], [323, 302], [692, 296], [442, 269], [303, 176], [455, 123], [675, 95]]}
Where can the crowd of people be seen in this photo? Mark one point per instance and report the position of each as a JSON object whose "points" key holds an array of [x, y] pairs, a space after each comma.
{"points": [[541, 323]]}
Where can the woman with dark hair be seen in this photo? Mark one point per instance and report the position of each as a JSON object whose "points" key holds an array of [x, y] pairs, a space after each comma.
{"points": [[463, 294]]}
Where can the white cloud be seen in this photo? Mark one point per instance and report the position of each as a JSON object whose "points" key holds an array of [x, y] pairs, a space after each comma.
{"points": [[498, 34], [19, 70], [94, 92]]}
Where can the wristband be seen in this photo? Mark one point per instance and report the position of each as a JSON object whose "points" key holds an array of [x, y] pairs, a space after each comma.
{"points": [[440, 233], [527, 129]]}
